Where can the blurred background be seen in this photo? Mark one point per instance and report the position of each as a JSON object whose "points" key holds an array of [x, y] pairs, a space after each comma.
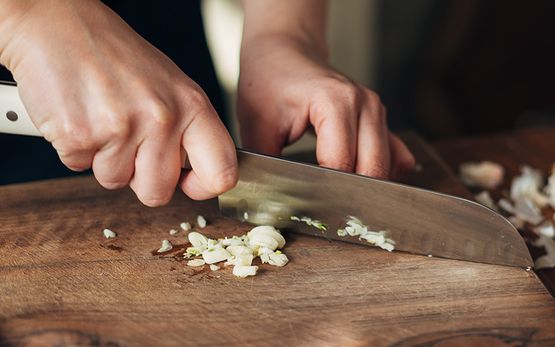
{"points": [[442, 67]]}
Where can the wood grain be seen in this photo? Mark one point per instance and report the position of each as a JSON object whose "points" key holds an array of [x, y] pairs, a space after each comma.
{"points": [[63, 283]]}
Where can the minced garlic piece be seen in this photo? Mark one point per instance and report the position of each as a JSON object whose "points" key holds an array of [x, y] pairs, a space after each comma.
{"points": [[356, 228], [185, 226], [109, 234], [196, 263], [310, 222], [173, 232], [486, 174], [244, 271], [166, 246], [201, 222]]}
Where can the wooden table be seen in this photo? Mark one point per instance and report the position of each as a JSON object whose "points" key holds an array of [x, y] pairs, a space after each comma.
{"points": [[62, 283]]}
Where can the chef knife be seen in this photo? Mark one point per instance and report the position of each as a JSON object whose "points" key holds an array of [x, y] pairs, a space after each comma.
{"points": [[272, 190]]}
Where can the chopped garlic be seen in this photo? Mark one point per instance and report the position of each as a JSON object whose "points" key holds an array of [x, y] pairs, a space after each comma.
{"points": [[310, 222], [239, 250], [166, 246], [201, 222], [215, 256], [278, 259], [197, 239], [547, 260], [546, 229], [244, 271], [528, 185], [550, 187], [109, 234], [193, 251], [196, 263], [241, 260], [185, 226], [526, 210], [173, 232], [214, 267], [356, 228], [234, 241], [485, 199], [263, 241], [487, 174], [264, 231]]}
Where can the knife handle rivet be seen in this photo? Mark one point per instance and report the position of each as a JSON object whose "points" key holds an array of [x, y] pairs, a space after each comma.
{"points": [[12, 116]]}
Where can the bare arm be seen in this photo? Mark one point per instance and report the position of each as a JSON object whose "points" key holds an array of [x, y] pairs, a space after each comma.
{"points": [[286, 86], [108, 100]]}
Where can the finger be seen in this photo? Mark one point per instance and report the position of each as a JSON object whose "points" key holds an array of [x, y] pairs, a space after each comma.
{"points": [[157, 169], [336, 138], [402, 159], [373, 157], [258, 137], [75, 146], [113, 166], [191, 184], [77, 161], [212, 155]]}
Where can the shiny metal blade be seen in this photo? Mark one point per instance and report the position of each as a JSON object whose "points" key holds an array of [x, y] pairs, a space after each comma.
{"points": [[271, 190]]}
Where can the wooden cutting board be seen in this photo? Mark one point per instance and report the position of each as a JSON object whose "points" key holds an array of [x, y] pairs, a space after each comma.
{"points": [[62, 283]]}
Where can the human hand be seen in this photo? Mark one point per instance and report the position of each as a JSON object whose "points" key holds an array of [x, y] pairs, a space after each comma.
{"points": [[107, 99], [286, 88]]}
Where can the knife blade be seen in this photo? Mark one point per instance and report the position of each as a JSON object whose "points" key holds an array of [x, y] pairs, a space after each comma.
{"points": [[271, 190]]}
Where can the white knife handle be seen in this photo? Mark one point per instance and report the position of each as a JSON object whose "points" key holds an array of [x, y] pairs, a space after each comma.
{"points": [[13, 116]]}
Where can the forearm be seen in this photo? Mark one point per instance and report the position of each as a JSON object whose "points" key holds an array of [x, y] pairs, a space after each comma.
{"points": [[300, 22]]}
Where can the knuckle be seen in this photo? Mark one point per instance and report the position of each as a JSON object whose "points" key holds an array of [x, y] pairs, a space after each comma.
{"points": [[374, 98], [120, 126], [346, 92], [75, 137], [161, 114], [196, 98]]}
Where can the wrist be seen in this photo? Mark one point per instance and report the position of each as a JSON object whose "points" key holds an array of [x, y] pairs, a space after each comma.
{"points": [[279, 44], [12, 14]]}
